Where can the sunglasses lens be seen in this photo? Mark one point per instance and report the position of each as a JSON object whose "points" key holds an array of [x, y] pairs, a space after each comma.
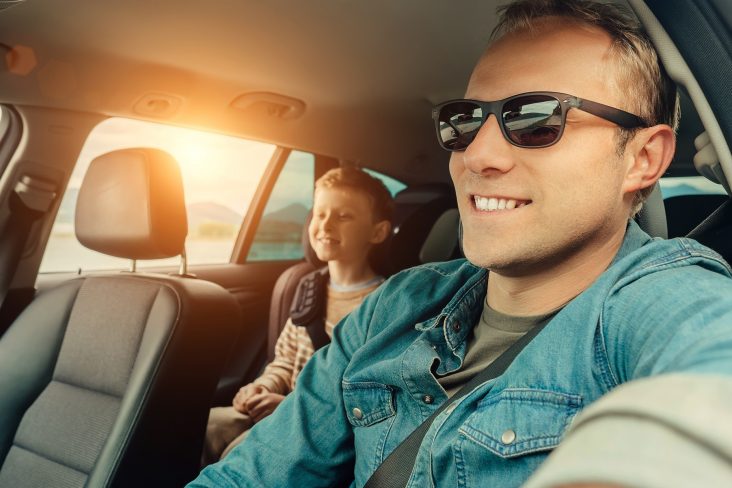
{"points": [[458, 123], [533, 121]]}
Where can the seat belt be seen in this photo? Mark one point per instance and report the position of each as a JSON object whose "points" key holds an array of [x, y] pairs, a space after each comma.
{"points": [[32, 198], [397, 468], [308, 306]]}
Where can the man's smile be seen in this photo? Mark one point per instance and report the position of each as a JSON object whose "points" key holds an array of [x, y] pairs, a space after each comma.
{"points": [[497, 203]]}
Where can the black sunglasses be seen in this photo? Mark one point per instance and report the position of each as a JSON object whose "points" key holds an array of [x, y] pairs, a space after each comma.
{"points": [[530, 120]]}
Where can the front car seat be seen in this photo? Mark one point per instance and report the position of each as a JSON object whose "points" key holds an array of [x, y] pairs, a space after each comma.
{"points": [[106, 380]]}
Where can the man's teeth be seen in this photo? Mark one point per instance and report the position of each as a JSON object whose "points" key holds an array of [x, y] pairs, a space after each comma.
{"points": [[491, 204]]}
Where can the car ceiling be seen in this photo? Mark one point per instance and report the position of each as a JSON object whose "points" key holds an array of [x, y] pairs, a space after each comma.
{"points": [[367, 76], [367, 72]]}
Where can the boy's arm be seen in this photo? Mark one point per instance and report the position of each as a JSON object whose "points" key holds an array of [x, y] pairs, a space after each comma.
{"points": [[307, 441], [278, 374]]}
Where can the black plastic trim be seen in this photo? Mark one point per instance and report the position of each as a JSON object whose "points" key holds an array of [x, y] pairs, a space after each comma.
{"points": [[705, 42], [11, 130]]}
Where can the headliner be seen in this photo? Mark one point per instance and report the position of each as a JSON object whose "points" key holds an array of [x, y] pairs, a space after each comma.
{"points": [[367, 76]]}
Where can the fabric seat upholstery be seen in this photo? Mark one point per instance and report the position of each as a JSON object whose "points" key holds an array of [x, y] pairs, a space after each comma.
{"points": [[107, 379]]}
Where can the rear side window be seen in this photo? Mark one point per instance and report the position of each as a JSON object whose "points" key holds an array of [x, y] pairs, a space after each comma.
{"points": [[689, 185], [394, 186], [279, 233], [220, 175]]}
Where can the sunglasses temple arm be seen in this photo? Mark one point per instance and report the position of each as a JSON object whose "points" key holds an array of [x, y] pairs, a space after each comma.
{"points": [[622, 118]]}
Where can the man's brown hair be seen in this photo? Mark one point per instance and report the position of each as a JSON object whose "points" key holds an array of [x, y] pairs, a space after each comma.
{"points": [[648, 90], [382, 204]]}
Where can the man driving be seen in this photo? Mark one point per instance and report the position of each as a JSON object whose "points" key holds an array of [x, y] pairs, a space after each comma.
{"points": [[565, 127]]}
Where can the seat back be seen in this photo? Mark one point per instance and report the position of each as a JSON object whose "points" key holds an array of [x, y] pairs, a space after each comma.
{"points": [[716, 230], [652, 215], [685, 212], [107, 380]]}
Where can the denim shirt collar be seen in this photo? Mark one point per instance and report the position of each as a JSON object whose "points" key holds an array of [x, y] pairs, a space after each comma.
{"points": [[461, 313], [635, 238]]}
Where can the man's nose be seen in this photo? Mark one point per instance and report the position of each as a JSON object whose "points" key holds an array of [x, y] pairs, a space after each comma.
{"points": [[489, 151]]}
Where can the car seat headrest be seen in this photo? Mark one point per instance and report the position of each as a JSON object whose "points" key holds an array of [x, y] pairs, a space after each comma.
{"points": [[131, 205], [442, 241], [417, 212], [652, 215]]}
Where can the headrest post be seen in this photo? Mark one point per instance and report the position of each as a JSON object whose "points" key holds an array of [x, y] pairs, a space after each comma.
{"points": [[183, 270], [133, 265]]}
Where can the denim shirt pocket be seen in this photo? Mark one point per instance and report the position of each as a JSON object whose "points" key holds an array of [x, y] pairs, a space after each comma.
{"points": [[368, 402], [515, 422]]}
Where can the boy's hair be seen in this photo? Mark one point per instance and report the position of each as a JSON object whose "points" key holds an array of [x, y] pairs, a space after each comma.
{"points": [[382, 204], [649, 91]]}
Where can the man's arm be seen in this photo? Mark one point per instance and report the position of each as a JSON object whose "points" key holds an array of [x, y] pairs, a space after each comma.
{"points": [[670, 424], [307, 441], [665, 431]]}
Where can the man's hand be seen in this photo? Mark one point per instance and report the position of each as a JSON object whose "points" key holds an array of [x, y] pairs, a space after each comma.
{"points": [[263, 404], [244, 394]]}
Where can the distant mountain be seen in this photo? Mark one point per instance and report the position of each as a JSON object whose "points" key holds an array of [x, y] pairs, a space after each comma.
{"points": [[295, 212], [283, 225], [211, 212]]}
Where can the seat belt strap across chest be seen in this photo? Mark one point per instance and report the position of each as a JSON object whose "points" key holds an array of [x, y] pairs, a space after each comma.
{"points": [[397, 468]]}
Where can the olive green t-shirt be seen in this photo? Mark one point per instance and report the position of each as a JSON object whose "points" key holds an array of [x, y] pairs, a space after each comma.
{"points": [[494, 333]]}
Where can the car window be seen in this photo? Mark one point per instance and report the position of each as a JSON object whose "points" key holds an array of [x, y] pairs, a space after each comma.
{"points": [[394, 186], [279, 231], [689, 185], [220, 175]]}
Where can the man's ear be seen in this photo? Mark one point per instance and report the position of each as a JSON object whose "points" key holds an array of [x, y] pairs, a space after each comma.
{"points": [[647, 157], [380, 232]]}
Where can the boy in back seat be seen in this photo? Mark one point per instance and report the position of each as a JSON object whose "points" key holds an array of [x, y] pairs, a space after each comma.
{"points": [[352, 212]]}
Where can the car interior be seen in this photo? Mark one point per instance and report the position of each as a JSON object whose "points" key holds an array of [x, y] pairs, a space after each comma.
{"points": [[136, 353]]}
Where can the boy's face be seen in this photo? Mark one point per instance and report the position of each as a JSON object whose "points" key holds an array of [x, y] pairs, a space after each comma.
{"points": [[343, 227]]}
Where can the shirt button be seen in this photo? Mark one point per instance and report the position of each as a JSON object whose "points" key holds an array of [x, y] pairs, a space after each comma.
{"points": [[456, 327], [357, 413], [508, 437], [428, 399]]}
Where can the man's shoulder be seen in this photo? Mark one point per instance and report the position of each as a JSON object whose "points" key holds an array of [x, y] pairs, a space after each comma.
{"points": [[677, 278], [674, 257]]}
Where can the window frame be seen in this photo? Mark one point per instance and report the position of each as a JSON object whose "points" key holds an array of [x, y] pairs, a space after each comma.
{"points": [[261, 197]]}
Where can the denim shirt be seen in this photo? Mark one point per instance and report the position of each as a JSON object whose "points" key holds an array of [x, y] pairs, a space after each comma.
{"points": [[663, 306]]}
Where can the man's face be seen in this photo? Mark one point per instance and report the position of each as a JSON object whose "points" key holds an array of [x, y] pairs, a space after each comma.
{"points": [[567, 197], [342, 228]]}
